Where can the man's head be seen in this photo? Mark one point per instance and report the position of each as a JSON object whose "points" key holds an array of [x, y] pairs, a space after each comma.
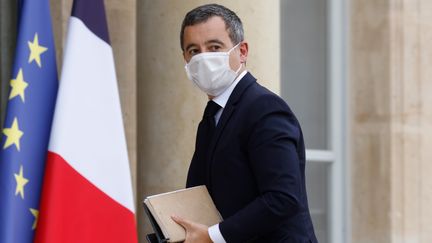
{"points": [[203, 13], [213, 47], [213, 28]]}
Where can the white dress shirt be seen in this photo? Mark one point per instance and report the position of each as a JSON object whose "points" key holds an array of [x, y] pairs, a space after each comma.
{"points": [[222, 100]]}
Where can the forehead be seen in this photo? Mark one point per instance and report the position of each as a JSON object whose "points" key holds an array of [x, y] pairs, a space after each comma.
{"points": [[212, 29]]}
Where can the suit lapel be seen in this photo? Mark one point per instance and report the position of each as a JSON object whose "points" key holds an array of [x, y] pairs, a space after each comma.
{"points": [[229, 109]]}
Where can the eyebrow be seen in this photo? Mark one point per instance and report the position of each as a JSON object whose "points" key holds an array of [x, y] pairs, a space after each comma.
{"points": [[217, 41]]}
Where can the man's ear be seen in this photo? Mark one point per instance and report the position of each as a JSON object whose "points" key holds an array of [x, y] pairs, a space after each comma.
{"points": [[244, 50]]}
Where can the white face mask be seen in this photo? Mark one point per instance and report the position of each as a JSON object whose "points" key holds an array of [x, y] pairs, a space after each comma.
{"points": [[211, 72]]}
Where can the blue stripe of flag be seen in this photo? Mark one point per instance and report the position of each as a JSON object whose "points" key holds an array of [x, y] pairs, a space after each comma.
{"points": [[92, 14]]}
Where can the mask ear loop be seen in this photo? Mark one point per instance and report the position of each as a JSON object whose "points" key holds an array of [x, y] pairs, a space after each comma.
{"points": [[229, 52], [241, 65]]}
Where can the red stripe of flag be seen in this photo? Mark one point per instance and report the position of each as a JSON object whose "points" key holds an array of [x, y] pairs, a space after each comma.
{"points": [[92, 217]]}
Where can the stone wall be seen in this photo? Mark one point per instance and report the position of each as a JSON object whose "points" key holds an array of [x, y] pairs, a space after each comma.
{"points": [[391, 120]]}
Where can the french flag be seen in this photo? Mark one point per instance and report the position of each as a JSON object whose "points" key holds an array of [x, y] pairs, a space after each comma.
{"points": [[87, 192]]}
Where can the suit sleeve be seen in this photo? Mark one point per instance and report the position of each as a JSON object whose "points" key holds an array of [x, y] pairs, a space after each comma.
{"points": [[273, 157]]}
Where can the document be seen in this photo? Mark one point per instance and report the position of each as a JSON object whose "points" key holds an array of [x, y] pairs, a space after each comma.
{"points": [[193, 204]]}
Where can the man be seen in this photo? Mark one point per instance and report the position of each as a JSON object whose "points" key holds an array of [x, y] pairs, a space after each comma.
{"points": [[249, 150]]}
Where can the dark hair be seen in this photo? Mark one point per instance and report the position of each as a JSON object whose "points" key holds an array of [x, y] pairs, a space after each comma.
{"points": [[202, 13]]}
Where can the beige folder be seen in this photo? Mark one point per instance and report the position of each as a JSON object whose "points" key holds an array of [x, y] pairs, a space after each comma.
{"points": [[193, 204]]}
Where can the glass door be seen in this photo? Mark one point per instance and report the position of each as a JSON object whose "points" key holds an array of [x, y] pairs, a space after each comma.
{"points": [[313, 84]]}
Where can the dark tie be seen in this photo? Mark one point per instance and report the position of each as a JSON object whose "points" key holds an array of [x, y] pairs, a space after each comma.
{"points": [[208, 125], [209, 113], [198, 168]]}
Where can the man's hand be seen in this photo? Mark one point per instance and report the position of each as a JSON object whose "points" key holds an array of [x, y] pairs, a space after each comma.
{"points": [[195, 233]]}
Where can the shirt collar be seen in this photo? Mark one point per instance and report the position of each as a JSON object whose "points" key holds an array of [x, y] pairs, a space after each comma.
{"points": [[222, 99]]}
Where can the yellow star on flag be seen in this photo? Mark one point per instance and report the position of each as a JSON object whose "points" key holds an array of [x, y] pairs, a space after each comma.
{"points": [[18, 86], [13, 135], [36, 50], [21, 182], [35, 213]]}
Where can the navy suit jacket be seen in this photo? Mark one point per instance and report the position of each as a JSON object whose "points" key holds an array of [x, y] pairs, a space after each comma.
{"points": [[255, 170]]}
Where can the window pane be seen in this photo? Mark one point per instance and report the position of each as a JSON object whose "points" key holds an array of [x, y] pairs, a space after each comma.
{"points": [[304, 66], [318, 191]]}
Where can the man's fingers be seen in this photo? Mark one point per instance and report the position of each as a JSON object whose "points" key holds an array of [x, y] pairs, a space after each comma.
{"points": [[181, 221], [194, 232]]}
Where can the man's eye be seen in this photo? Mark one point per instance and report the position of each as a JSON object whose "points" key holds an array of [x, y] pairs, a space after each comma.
{"points": [[193, 52], [215, 48]]}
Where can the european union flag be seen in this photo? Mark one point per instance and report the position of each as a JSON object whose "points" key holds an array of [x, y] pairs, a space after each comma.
{"points": [[23, 148]]}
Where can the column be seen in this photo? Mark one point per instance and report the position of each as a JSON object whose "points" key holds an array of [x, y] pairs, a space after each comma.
{"points": [[8, 22], [169, 106], [391, 120]]}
